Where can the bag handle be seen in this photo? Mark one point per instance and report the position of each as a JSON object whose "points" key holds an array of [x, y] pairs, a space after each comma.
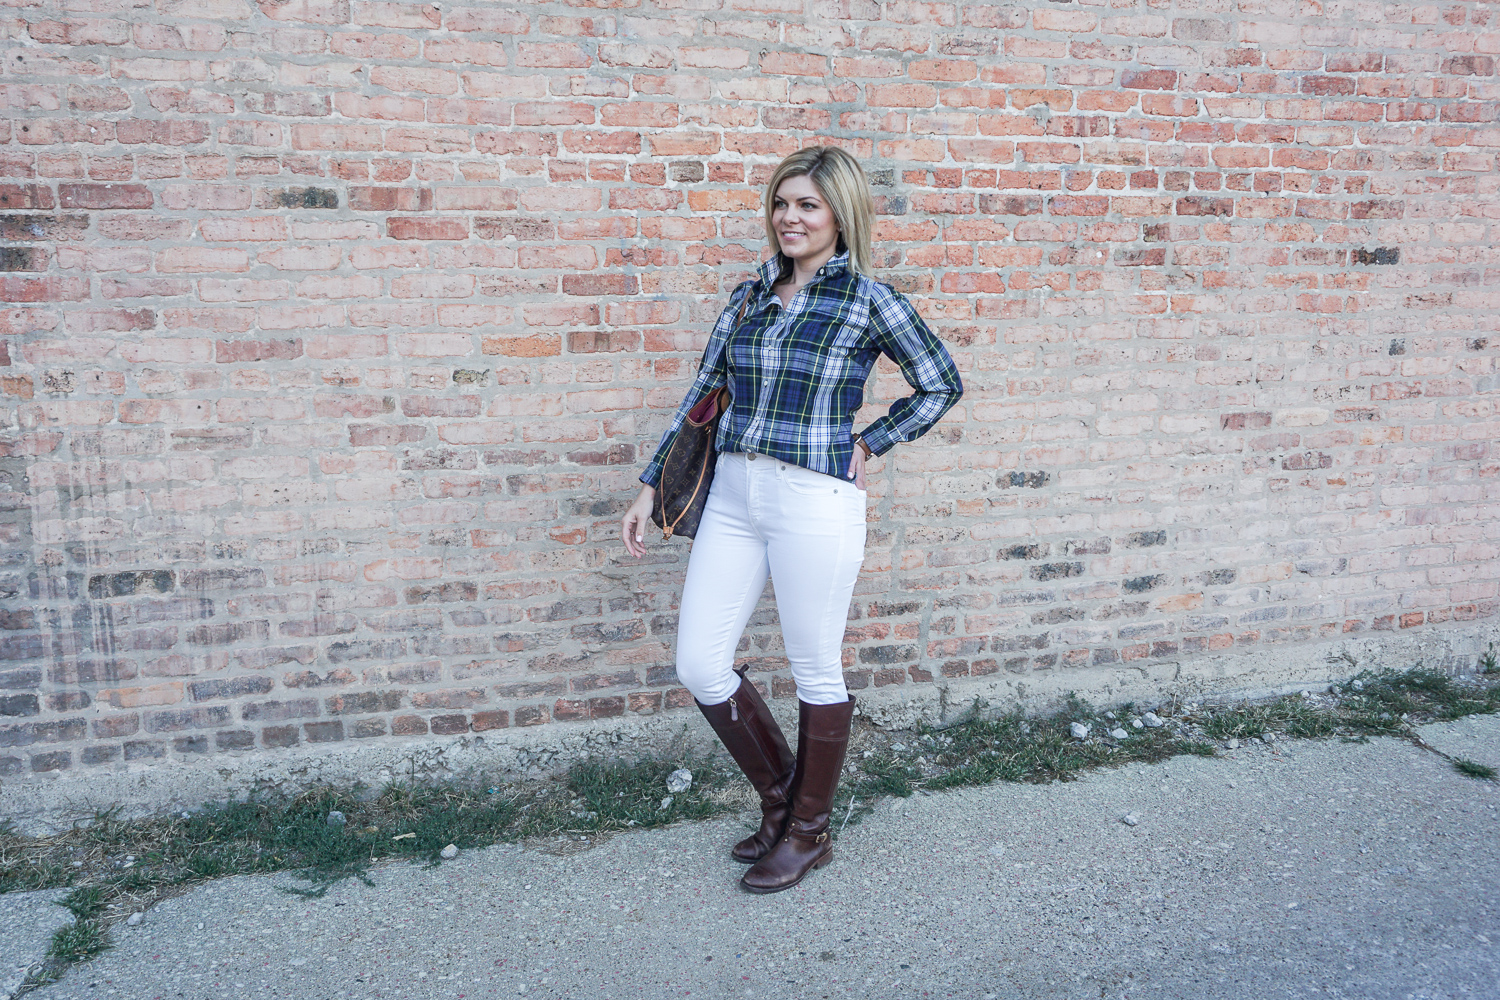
{"points": [[723, 393]]}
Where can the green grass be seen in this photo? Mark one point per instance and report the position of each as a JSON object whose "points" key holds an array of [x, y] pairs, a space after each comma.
{"points": [[271, 834], [1474, 770], [84, 937], [1291, 715], [980, 751], [116, 866], [977, 750]]}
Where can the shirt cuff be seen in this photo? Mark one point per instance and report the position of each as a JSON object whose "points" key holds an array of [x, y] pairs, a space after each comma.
{"points": [[880, 436]]}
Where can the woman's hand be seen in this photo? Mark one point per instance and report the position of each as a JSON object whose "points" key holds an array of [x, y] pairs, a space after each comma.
{"points": [[633, 524], [857, 467]]}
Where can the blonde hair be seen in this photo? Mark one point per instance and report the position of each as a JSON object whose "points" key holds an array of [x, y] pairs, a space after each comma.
{"points": [[847, 191]]}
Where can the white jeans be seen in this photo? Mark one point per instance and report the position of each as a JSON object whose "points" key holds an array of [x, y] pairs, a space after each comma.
{"points": [[804, 530]]}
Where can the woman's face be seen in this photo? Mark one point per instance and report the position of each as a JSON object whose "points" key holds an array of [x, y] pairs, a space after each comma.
{"points": [[803, 221]]}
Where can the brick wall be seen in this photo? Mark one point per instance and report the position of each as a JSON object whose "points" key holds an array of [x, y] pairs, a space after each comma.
{"points": [[337, 333]]}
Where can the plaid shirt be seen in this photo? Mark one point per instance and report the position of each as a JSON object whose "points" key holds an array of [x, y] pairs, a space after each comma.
{"points": [[797, 374]]}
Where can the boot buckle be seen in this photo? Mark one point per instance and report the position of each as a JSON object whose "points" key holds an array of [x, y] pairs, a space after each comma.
{"points": [[821, 837]]}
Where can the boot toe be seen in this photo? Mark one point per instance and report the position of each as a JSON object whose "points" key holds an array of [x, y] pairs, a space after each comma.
{"points": [[783, 869], [765, 883]]}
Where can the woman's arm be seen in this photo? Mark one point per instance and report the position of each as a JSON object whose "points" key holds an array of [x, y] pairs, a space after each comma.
{"points": [[925, 363], [713, 372]]}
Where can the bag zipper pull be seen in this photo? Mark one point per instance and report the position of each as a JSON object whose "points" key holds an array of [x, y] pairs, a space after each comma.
{"points": [[734, 711]]}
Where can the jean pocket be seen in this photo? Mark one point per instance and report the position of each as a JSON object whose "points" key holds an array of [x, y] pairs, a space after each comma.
{"points": [[810, 483]]}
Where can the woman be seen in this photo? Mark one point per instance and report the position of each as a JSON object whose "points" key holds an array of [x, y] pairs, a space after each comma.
{"points": [[788, 494]]}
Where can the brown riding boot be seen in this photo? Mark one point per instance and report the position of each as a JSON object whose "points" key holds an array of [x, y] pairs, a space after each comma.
{"points": [[752, 737], [822, 737]]}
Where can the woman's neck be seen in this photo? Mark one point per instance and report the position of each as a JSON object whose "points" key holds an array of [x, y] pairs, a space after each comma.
{"points": [[801, 273]]}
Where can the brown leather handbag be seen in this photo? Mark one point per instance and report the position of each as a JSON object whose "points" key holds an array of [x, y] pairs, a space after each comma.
{"points": [[688, 469]]}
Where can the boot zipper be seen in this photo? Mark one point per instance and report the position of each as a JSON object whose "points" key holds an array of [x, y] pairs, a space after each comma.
{"points": [[765, 756]]}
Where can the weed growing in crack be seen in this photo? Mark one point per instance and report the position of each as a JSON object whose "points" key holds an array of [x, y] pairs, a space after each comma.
{"points": [[1382, 702], [85, 936], [1473, 769], [977, 751], [1291, 715]]}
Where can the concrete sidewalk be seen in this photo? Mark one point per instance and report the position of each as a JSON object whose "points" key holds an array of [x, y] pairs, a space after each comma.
{"points": [[1300, 869]]}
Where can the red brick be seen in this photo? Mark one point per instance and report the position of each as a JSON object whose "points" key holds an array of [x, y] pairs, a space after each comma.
{"points": [[901, 95], [420, 228], [104, 196], [553, 55], [240, 351], [1150, 79], [554, 113], [342, 138], [25, 196]]}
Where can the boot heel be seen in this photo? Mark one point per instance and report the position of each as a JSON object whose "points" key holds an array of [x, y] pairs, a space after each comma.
{"points": [[823, 860]]}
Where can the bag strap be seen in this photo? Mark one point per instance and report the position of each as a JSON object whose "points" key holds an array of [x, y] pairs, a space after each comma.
{"points": [[743, 304], [723, 392]]}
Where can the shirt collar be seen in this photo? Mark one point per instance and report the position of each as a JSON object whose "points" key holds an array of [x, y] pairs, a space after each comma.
{"points": [[770, 269]]}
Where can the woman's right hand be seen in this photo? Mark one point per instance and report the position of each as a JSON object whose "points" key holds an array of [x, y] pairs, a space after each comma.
{"points": [[633, 524]]}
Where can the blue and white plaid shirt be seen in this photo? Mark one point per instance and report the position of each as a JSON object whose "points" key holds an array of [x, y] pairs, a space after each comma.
{"points": [[797, 374]]}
